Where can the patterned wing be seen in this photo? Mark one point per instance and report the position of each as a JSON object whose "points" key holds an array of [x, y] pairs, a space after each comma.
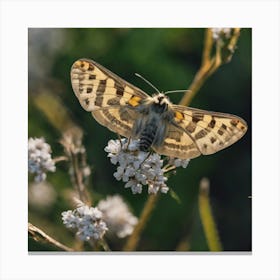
{"points": [[179, 144], [118, 119], [106, 95], [209, 131]]}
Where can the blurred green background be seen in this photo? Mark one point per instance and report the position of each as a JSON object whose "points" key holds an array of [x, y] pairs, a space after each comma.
{"points": [[168, 58]]}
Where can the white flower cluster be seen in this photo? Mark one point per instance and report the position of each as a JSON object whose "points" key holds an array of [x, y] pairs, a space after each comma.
{"points": [[39, 158], [218, 33], [117, 216], [136, 168], [87, 221]]}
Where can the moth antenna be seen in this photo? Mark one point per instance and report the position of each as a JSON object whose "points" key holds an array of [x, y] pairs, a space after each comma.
{"points": [[178, 90], [149, 83]]}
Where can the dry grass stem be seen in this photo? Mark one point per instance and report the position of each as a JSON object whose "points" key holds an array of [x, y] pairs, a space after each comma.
{"points": [[40, 236], [209, 65], [72, 143], [133, 240]]}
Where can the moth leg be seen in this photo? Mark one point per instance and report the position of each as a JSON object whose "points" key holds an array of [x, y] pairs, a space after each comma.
{"points": [[119, 137], [128, 142], [145, 159]]}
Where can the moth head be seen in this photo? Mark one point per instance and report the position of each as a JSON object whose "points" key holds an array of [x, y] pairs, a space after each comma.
{"points": [[161, 99], [160, 102]]}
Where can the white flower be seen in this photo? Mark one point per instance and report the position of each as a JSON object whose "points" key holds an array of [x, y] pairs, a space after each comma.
{"points": [[41, 195], [87, 221], [117, 216], [39, 158], [136, 168], [218, 33]]}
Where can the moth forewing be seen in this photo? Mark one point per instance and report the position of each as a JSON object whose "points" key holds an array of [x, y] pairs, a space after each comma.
{"points": [[106, 95]]}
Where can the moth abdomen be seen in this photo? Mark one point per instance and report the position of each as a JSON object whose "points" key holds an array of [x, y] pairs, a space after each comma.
{"points": [[147, 136], [146, 139], [145, 143]]}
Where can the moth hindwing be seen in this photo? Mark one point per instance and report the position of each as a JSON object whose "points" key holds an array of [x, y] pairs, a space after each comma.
{"points": [[171, 130]]}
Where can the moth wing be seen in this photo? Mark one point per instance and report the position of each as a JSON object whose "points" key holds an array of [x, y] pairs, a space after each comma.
{"points": [[109, 98], [96, 87], [211, 131], [178, 143], [119, 120]]}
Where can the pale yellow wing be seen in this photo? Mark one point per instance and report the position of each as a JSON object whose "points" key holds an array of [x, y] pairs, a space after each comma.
{"points": [[119, 120], [106, 95], [210, 131], [178, 144]]}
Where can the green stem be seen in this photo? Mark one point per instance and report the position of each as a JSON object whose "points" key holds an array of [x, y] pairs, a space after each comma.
{"points": [[133, 240], [207, 219]]}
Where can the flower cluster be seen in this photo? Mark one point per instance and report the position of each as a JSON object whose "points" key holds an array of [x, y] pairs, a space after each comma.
{"points": [[39, 158], [117, 216], [218, 33], [137, 168], [87, 221]]}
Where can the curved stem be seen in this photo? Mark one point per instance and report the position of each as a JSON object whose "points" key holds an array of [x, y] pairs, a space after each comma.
{"points": [[133, 240], [210, 65], [40, 236]]}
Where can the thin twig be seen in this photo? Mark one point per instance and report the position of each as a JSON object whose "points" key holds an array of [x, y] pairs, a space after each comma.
{"points": [[223, 54], [208, 42], [208, 66], [169, 168], [40, 236], [78, 179], [61, 158], [232, 43], [72, 143], [105, 245]]}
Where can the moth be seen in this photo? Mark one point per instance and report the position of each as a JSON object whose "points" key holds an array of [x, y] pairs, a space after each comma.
{"points": [[169, 129]]}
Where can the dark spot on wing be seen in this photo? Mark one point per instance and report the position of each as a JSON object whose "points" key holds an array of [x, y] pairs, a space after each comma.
{"points": [[120, 90], [114, 101], [212, 123], [200, 134], [213, 140], [90, 67], [196, 117], [234, 122], [191, 127]]}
